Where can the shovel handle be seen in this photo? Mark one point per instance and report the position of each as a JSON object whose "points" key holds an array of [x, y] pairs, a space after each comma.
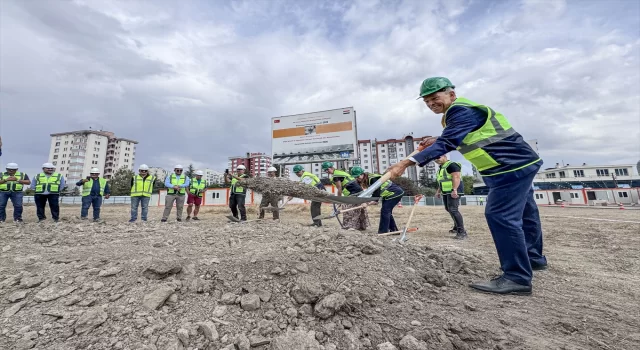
{"points": [[350, 209]]}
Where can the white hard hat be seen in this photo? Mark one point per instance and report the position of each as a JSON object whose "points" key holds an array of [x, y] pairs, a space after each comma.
{"points": [[143, 167], [95, 171], [178, 166], [47, 165], [199, 172], [272, 169], [240, 167], [12, 166]]}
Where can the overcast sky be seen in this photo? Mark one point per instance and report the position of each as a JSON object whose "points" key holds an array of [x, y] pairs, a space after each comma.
{"points": [[198, 81]]}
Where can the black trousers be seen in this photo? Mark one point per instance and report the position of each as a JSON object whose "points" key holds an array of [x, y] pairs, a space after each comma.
{"points": [[316, 209], [451, 205], [54, 205], [236, 203]]}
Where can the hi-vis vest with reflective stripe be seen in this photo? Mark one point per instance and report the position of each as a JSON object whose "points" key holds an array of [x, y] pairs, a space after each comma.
{"points": [[474, 145], [314, 179], [87, 186], [12, 186], [142, 186], [444, 179], [195, 189], [384, 192], [347, 179], [238, 189], [49, 183], [177, 181]]}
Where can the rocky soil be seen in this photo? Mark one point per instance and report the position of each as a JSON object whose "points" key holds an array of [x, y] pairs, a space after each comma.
{"points": [[259, 285]]}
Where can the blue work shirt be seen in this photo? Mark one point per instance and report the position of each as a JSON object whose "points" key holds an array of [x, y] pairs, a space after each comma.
{"points": [[95, 189], [35, 180], [511, 152], [167, 181]]}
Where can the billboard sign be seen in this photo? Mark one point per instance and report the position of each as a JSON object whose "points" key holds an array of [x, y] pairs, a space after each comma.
{"points": [[314, 137]]}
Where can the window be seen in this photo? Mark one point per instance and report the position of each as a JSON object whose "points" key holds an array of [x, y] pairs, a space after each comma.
{"points": [[57, 143], [574, 195], [551, 175], [622, 172], [383, 156], [55, 163], [578, 173], [56, 150], [55, 157], [64, 156], [58, 138], [61, 169], [382, 151], [602, 172], [366, 160], [63, 162], [562, 174], [384, 162], [366, 167], [623, 194], [539, 196]]}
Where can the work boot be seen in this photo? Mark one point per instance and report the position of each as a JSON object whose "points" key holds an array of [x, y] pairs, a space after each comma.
{"points": [[501, 285]]}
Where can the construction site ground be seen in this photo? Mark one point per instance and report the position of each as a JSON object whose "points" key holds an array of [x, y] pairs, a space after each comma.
{"points": [[211, 284]]}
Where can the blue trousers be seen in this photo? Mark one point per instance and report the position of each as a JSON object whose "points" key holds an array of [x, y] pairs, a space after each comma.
{"points": [[87, 201], [514, 221], [387, 223], [135, 202], [16, 200]]}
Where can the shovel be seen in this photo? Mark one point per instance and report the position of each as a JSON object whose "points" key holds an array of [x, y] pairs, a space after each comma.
{"points": [[404, 238], [369, 191], [412, 229], [336, 212], [270, 208]]}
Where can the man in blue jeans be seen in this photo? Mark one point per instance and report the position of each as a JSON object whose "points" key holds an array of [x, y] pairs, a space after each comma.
{"points": [[507, 164], [141, 189], [93, 188], [12, 182], [390, 194]]}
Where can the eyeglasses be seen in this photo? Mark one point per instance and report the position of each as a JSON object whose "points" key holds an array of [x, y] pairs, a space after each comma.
{"points": [[142, 171]]}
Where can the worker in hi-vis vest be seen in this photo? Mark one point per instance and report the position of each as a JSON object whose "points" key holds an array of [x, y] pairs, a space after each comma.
{"points": [[47, 187], [270, 199], [237, 193], [141, 190], [196, 191], [508, 166], [176, 184], [450, 188], [94, 188], [309, 179], [12, 183]]}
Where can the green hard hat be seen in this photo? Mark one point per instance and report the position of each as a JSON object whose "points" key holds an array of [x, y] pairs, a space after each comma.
{"points": [[356, 171], [431, 85], [297, 168], [326, 165]]}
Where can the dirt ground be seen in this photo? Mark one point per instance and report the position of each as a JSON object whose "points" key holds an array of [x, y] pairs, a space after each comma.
{"points": [[280, 285]]}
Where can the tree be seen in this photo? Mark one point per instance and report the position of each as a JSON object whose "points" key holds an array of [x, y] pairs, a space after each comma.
{"points": [[467, 181], [190, 171], [428, 191], [409, 187], [158, 186], [120, 183]]}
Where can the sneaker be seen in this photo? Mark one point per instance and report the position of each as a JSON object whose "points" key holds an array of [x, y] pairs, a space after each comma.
{"points": [[459, 235], [96, 220], [132, 220], [163, 220], [19, 221], [195, 218], [83, 218], [179, 220]]}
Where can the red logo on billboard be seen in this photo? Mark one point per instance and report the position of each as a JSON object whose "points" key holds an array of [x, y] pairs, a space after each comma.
{"points": [[276, 121]]}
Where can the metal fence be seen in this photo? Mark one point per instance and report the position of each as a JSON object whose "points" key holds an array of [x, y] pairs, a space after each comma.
{"points": [[433, 201], [77, 200]]}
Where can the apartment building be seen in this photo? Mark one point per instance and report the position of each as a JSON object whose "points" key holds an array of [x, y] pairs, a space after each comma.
{"points": [[256, 164], [158, 172], [74, 153], [213, 177]]}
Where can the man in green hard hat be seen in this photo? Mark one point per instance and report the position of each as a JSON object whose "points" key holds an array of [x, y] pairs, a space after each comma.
{"points": [[508, 166], [308, 178]]}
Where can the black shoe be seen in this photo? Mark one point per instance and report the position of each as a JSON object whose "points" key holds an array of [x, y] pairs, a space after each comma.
{"points": [[18, 221], [163, 220], [453, 230], [188, 218], [459, 235], [538, 267], [179, 220], [501, 285], [195, 218]]}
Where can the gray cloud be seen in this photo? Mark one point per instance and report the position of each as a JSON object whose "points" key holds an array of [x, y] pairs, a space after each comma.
{"points": [[199, 81]]}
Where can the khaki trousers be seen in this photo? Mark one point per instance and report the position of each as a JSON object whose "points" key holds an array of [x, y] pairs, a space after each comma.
{"points": [[168, 205]]}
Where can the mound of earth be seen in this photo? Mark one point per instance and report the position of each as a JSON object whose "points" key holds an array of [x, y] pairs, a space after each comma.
{"points": [[234, 286]]}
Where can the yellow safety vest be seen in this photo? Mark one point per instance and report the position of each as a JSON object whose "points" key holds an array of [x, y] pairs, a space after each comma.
{"points": [[384, 192], [314, 179], [49, 183], [444, 180], [12, 186], [475, 146], [177, 181], [197, 189], [238, 189], [141, 187], [87, 186], [347, 178]]}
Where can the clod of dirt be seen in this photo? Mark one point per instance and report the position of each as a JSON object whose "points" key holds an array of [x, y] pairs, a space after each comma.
{"points": [[299, 340], [161, 269], [436, 278], [250, 302], [209, 330], [110, 272], [371, 249], [90, 319], [156, 299], [386, 346], [17, 296], [30, 282], [14, 309], [228, 299], [329, 305], [53, 292], [409, 342], [306, 291]]}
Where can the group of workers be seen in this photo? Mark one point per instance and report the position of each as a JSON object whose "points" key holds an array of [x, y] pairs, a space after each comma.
{"points": [[482, 135]]}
